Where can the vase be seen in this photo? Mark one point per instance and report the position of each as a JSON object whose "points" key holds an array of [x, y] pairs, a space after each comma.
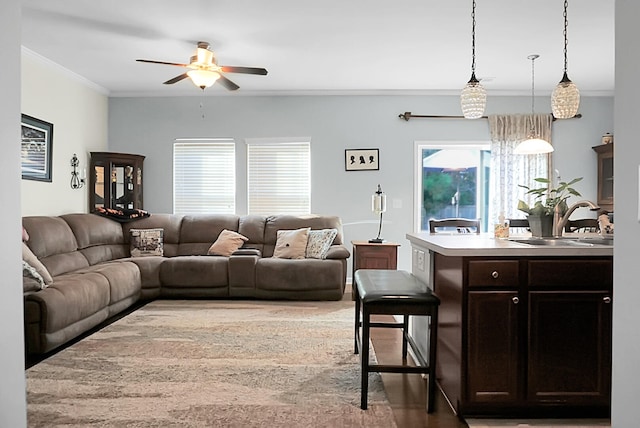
{"points": [[541, 226]]}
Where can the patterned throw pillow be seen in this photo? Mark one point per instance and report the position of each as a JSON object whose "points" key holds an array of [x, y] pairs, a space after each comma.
{"points": [[31, 272], [146, 242], [319, 243], [228, 241], [32, 260], [291, 244]]}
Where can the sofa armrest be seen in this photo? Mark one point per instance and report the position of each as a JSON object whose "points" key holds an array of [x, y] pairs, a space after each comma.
{"points": [[338, 252], [247, 252]]}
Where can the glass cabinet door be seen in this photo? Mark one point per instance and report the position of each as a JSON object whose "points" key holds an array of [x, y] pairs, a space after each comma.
{"points": [[116, 181]]}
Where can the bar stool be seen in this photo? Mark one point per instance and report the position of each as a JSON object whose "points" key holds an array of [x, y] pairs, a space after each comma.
{"points": [[394, 292]]}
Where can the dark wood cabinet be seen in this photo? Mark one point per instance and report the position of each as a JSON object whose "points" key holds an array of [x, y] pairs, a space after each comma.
{"points": [[115, 181], [605, 176], [534, 334], [374, 256]]}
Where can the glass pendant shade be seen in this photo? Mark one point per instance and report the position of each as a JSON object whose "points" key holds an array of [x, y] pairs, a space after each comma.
{"points": [[203, 78], [565, 99], [473, 99], [533, 146]]}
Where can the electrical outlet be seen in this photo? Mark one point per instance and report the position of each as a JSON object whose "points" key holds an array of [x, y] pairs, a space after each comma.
{"points": [[420, 260]]}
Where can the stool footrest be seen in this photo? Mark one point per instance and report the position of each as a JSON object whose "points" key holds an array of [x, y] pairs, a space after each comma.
{"points": [[389, 368]]}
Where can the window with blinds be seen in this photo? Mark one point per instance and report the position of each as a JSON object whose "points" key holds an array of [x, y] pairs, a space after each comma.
{"points": [[278, 177], [204, 176]]}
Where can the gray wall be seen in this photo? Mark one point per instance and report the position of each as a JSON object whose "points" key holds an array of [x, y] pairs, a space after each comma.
{"points": [[626, 294], [12, 385], [148, 126]]}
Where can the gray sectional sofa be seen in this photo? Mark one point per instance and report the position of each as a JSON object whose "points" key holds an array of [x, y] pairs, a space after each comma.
{"points": [[95, 278]]}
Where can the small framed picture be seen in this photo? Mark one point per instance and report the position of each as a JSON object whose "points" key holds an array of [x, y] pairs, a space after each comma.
{"points": [[361, 159], [36, 149]]}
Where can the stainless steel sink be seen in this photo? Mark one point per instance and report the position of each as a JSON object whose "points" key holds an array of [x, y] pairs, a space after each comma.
{"points": [[564, 242]]}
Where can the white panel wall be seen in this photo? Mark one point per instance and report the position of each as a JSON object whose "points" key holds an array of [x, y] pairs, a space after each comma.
{"points": [[12, 385], [148, 126], [626, 293], [78, 111]]}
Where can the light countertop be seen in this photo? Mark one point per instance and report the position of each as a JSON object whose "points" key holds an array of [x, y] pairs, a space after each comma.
{"points": [[486, 245]]}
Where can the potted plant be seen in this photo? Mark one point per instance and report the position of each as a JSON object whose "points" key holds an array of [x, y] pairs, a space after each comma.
{"points": [[546, 199]]}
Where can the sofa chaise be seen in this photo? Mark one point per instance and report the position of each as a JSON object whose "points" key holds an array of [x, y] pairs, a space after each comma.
{"points": [[92, 275]]}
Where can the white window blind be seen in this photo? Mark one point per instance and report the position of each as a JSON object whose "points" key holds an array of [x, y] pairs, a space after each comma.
{"points": [[204, 176], [279, 177]]}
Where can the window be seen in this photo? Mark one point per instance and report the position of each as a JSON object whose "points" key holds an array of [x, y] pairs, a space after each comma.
{"points": [[204, 176], [278, 176], [452, 181]]}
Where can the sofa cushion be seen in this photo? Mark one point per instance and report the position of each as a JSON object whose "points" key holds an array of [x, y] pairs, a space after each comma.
{"points": [[99, 239], [32, 260], [319, 242], [146, 242], [291, 244], [228, 242], [194, 272], [197, 232]]}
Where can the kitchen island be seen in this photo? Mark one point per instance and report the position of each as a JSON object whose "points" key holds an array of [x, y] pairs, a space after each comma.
{"points": [[523, 330]]}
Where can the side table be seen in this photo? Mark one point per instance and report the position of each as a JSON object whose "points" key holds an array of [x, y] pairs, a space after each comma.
{"points": [[368, 255]]}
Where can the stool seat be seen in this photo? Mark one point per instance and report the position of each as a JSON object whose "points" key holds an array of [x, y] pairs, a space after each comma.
{"points": [[390, 285], [394, 292]]}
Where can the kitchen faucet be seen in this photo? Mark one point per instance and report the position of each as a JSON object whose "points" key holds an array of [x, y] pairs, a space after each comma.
{"points": [[560, 221]]}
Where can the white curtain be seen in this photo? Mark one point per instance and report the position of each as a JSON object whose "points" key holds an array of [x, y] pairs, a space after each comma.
{"points": [[508, 170]]}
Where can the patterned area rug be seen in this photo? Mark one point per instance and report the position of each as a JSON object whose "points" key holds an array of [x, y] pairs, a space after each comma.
{"points": [[177, 363]]}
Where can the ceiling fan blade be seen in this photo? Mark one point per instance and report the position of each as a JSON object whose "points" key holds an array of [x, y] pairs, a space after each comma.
{"points": [[176, 79], [227, 83], [245, 70], [162, 62]]}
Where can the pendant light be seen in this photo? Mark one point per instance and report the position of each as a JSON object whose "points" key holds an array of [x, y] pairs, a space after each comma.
{"points": [[473, 98], [565, 99], [533, 145]]}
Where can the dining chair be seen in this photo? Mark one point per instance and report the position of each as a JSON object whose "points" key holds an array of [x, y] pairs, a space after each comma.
{"points": [[454, 225], [582, 225]]}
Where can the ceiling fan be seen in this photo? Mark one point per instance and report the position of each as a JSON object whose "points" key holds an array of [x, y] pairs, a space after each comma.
{"points": [[205, 71]]}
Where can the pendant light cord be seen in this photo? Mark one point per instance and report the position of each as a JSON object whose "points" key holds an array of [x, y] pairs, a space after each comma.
{"points": [[473, 39], [533, 79], [566, 5]]}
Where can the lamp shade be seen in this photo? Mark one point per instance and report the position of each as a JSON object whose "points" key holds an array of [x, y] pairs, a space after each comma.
{"points": [[533, 146], [565, 99], [473, 99], [379, 202], [203, 78]]}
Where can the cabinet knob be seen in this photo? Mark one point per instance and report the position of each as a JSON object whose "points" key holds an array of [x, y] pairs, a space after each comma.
{"points": [[606, 299], [495, 274], [515, 300]]}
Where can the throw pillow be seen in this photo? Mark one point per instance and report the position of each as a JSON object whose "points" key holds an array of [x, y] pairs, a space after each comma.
{"points": [[228, 241], [291, 244], [319, 243], [32, 260], [146, 242], [31, 272]]}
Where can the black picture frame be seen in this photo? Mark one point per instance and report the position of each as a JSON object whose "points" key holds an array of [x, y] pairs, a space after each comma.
{"points": [[36, 149], [361, 159]]}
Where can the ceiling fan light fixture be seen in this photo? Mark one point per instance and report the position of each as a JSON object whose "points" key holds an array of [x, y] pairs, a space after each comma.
{"points": [[473, 98], [203, 78], [565, 98]]}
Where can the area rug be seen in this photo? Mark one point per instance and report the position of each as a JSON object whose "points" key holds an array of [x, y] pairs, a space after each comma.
{"points": [[176, 363]]}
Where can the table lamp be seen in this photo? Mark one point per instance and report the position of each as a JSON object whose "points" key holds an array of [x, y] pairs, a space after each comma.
{"points": [[378, 206]]}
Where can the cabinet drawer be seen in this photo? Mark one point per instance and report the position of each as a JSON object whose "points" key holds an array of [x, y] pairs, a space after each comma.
{"points": [[589, 274], [493, 273]]}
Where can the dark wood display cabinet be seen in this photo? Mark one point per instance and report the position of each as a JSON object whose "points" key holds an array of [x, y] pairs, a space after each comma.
{"points": [[605, 176], [525, 336], [115, 181]]}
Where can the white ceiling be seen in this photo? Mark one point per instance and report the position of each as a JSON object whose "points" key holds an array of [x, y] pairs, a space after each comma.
{"points": [[328, 46]]}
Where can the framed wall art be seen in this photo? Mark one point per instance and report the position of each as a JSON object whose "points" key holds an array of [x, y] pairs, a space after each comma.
{"points": [[361, 159], [36, 149]]}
